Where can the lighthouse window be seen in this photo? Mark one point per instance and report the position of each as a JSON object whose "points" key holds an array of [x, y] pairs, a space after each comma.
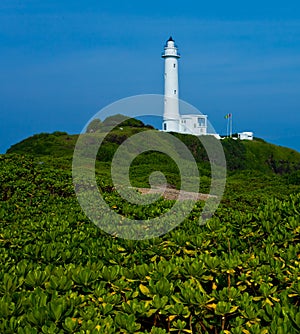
{"points": [[174, 65], [174, 91], [165, 126], [201, 121]]}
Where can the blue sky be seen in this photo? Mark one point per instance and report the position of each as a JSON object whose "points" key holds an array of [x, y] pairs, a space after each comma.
{"points": [[62, 61]]}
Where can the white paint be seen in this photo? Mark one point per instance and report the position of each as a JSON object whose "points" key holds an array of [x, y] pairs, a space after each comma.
{"points": [[171, 103], [193, 124], [246, 135]]}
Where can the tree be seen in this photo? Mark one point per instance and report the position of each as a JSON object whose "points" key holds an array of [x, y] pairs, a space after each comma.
{"points": [[122, 120], [94, 126]]}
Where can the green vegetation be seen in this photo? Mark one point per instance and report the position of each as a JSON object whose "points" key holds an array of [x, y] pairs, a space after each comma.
{"points": [[256, 155], [94, 126], [59, 273], [56, 144]]}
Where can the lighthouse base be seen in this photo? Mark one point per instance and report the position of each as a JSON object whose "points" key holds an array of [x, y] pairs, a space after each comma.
{"points": [[189, 124]]}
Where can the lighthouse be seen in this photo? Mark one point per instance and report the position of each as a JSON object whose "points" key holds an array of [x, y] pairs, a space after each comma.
{"points": [[173, 120], [171, 117]]}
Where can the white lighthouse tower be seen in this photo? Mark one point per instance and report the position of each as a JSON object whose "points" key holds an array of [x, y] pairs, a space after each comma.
{"points": [[173, 121], [171, 118]]}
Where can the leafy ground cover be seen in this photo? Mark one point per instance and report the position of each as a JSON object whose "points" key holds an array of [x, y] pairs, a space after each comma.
{"points": [[59, 273]]}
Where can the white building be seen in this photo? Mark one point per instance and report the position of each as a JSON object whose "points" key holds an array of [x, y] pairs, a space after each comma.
{"points": [[195, 124], [246, 135]]}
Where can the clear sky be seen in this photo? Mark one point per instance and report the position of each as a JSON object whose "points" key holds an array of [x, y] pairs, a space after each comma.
{"points": [[62, 61]]}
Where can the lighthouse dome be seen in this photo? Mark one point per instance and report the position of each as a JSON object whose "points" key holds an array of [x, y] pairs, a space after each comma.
{"points": [[170, 42]]}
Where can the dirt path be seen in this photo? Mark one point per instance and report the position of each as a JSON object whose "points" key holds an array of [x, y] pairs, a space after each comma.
{"points": [[172, 194]]}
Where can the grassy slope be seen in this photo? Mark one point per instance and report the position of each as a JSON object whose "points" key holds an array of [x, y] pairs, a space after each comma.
{"points": [[240, 155], [56, 144], [279, 159]]}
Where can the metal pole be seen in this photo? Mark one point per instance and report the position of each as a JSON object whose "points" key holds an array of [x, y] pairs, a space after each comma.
{"points": [[227, 133]]}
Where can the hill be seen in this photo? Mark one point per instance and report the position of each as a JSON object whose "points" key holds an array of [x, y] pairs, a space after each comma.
{"points": [[60, 273], [56, 144], [256, 155]]}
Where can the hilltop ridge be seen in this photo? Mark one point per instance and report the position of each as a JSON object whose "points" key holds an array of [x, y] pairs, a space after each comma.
{"points": [[257, 155]]}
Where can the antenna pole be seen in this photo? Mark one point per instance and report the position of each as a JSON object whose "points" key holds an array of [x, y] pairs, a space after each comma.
{"points": [[227, 132]]}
